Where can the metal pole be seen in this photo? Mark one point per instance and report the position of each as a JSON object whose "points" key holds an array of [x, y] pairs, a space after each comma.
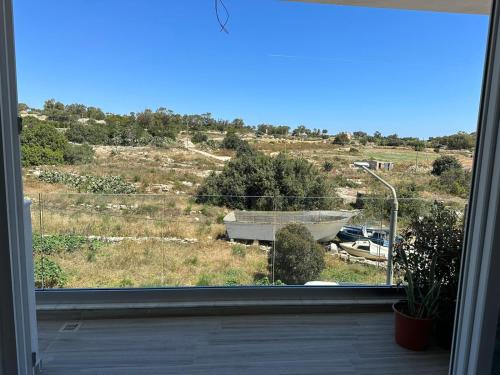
{"points": [[393, 224]]}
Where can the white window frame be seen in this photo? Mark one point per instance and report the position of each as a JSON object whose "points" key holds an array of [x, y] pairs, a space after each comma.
{"points": [[15, 338], [478, 306], [478, 300]]}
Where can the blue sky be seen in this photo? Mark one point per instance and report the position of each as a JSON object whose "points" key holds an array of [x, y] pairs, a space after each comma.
{"points": [[339, 68]]}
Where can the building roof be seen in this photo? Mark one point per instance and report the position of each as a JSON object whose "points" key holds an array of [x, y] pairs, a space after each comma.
{"points": [[449, 6]]}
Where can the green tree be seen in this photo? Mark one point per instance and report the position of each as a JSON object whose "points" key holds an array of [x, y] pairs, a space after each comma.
{"points": [[76, 110], [257, 181], [297, 258], [55, 111], [95, 113]]}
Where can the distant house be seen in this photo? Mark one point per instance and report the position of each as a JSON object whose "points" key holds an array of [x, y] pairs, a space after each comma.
{"points": [[377, 164]]}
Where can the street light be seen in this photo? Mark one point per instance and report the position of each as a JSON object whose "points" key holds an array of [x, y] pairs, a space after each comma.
{"points": [[394, 219]]}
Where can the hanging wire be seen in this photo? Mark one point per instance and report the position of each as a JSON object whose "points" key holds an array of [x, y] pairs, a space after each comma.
{"points": [[222, 24]]}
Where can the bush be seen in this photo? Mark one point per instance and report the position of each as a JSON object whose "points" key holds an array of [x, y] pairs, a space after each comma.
{"points": [[257, 181], [53, 243], [327, 166], [341, 139], [445, 163], [199, 137], [456, 181], [48, 274], [79, 154], [213, 144], [459, 141], [92, 133], [419, 146], [42, 143], [232, 142], [89, 184], [239, 251], [38, 155], [297, 258]]}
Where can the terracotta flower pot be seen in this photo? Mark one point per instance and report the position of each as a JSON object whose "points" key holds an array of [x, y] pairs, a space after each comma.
{"points": [[411, 333]]}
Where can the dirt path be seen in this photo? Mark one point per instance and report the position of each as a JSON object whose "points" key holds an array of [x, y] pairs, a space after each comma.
{"points": [[191, 147]]}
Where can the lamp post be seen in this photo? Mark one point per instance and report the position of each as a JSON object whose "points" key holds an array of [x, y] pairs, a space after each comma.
{"points": [[394, 219]]}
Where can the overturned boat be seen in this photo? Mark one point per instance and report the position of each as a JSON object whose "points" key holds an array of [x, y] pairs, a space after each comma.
{"points": [[263, 225]]}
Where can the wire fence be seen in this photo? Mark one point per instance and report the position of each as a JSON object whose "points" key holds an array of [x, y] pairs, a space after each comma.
{"points": [[110, 240]]}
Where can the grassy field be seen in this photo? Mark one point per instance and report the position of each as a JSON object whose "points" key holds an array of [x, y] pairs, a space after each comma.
{"points": [[170, 240]]}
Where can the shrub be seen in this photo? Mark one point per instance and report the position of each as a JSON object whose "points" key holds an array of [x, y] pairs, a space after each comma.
{"points": [[79, 154], [239, 251], [48, 274], [264, 281], [89, 184], [42, 143], [343, 181], [53, 243], [419, 146], [213, 144], [199, 137], [445, 163], [341, 139], [297, 257], [232, 142], [456, 181], [204, 280], [38, 155], [233, 277], [92, 133], [125, 283], [327, 166]]}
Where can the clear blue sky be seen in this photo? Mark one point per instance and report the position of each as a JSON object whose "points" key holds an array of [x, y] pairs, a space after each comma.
{"points": [[339, 68]]}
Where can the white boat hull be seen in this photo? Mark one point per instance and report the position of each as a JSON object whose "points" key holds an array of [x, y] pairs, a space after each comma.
{"points": [[263, 225], [376, 252]]}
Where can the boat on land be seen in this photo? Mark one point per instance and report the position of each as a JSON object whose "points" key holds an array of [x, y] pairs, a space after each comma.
{"points": [[366, 249], [353, 233], [263, 225]]}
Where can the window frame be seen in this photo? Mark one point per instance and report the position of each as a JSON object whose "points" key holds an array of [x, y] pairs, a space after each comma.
{"points": [[478, 307]]}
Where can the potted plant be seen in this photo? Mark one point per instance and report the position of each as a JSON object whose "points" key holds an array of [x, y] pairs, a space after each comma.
{"points": [[414, 316], [429, 254]]}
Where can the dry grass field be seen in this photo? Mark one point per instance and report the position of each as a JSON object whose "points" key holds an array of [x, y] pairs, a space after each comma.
{"points": [[171, 241]]}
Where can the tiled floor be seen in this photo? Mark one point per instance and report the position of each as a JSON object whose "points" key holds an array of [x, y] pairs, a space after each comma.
{"points": [[253, 344]]}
